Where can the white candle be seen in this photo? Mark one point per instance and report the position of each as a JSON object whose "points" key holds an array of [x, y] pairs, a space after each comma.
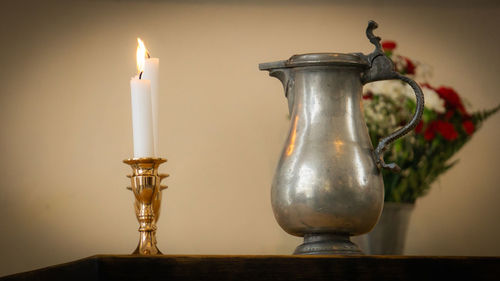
{"points": [[142, 118], [151, 72], [142, 104]]}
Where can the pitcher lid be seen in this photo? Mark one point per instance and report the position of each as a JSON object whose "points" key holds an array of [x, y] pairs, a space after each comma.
{"points": [[317, 59]]}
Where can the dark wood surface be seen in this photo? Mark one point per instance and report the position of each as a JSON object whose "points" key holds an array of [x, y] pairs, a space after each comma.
{"points": [[275, 268]]}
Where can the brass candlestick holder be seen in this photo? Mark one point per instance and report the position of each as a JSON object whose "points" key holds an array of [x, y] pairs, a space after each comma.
{"points": [[147, 189]]}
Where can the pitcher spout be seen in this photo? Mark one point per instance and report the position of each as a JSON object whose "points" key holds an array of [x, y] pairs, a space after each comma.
{"points": [[280, 71]]}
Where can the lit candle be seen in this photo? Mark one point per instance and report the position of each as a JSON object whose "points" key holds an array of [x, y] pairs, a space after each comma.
{"points": [[151, 71], [142, 110]]}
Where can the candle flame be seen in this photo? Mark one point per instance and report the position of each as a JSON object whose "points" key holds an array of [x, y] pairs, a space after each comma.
{"points": [[142, 54]]}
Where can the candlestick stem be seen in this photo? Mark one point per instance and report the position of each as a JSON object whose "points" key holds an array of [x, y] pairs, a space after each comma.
{"points": [[145, 184]]}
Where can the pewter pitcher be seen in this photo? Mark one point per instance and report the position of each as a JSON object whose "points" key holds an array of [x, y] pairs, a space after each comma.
{"points": [[328, 185]]}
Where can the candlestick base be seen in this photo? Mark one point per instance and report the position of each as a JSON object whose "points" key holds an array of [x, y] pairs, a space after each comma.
{"points": [[145, 184], [147, 244]]}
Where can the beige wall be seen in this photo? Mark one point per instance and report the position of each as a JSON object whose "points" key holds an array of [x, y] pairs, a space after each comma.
{"points": [[65, 122]]}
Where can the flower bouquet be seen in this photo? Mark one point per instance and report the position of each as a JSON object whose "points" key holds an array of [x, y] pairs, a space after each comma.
{"points": [[423, 155], [446, 125]]}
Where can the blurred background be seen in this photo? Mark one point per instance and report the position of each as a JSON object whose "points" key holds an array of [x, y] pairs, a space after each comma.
{"points": [[65, 120]]}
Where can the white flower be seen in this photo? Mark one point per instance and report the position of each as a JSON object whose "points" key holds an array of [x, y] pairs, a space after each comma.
{"points": [[370, 113], [396, 89], [432, 99], [391, 88]]}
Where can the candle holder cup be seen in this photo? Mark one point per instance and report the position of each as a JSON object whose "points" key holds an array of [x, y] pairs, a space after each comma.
{"points": [[145, 184]]}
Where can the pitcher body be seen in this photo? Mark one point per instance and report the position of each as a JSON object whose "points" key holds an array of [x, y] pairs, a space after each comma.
{"points": [[327, 180]]}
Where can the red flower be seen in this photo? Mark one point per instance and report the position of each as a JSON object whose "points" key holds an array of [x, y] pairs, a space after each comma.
{"points": [[468, 127], [368, 96], [419, 127], [449, 114], [430, 132], [388, 45], [410, 66], [446, 130], [452, 100]]}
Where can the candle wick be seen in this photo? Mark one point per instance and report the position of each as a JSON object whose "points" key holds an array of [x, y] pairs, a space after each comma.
{"points": [[140, 74]]}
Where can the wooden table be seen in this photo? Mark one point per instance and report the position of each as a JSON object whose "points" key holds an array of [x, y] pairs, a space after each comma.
{"points": [[273, 268]]}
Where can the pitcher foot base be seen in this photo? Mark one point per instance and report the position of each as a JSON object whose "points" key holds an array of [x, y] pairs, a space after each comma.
{"points": [[327, 244]]}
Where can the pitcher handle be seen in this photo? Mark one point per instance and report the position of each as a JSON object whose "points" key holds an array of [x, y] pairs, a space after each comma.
{"points": [[382, 68]]}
